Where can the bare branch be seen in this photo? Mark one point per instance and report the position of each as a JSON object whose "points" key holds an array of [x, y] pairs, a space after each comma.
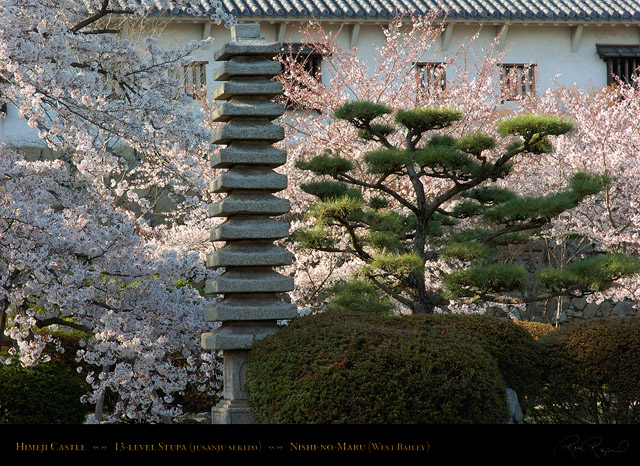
{"points": [[104, 11]]}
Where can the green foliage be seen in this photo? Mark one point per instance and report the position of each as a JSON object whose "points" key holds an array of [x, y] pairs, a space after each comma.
{"points": [[585, 184], [421, 190], [382, 129], [537, 330], [520, 360], [419, 120], [466, 209], [597, 273], [398, 265], [531, 208], [517, 237], [382, 240], [528, 125], [593, 373], [364, 368], [444, 220], [540, 146], [385, 228], [384, 161], [330, 190], [70, 341], [445, 157], [379, 202], [490, 195], [591, 274], [469, 235], [42, 394], [360, 113], [326, 165], [478, 233], [356, 295], [476, 143], [339, 208], [554, 279], [443, 140], [467, 251], [313, 238], [483, 279], [387, 220]]}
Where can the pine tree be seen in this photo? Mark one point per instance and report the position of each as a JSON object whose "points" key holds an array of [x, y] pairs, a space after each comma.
{"points": [[432, 205]]}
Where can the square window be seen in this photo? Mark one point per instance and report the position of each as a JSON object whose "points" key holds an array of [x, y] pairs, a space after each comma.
{"points": [[518, 80], [623, 62], [310, 60], [306, 56], [194, 80], [431, 75]]}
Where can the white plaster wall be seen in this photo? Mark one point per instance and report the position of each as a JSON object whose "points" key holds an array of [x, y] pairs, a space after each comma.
{"points": [[548, 46]]}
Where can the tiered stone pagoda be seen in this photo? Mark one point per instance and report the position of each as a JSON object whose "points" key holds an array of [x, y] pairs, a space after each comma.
{"points": [[252, 290]]}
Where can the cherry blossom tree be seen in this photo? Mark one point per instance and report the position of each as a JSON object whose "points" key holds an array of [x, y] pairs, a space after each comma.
{"points": [[80, 245], [606, 140]]}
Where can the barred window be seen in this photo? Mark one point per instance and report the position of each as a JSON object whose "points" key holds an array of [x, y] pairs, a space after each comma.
{"points": [[431, 75], [518, 80], [623, 62], [310, 60], [3, 105], [194, 79]]}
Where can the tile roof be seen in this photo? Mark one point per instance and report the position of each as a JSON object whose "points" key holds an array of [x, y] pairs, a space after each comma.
{"points": [[500, 10]]}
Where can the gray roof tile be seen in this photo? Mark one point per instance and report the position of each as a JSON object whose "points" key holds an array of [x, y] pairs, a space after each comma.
{"points": [[524, 10]]}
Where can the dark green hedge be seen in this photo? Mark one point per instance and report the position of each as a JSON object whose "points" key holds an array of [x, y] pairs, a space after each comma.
{"points": [[593, 373], [536, 329], [518, 357], [43, 394], [363, 368]]}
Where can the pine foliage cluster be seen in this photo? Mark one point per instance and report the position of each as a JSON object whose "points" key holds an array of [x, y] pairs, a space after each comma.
{"points": [[400, 233]]}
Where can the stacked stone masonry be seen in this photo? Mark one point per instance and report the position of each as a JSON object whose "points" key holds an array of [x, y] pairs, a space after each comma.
{"points": [[567, 310], [251, 288]]}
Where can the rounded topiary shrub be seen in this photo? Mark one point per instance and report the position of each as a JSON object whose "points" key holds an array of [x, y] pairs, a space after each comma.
{"points": [[518, 357], [365, 368], [536, 329], [42, 394], [593, 372]]}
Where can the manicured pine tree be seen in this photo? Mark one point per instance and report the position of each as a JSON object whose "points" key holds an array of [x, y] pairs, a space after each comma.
{"points": [[382, 214]]}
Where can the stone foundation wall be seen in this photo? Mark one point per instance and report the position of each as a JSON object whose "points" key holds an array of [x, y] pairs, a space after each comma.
{"points": [[571, 309]]}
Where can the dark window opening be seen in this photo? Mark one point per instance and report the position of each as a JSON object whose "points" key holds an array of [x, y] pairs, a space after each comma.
{"points": [[3, 105], [307, 56], [431, 75], [194, 80], [518, 80], [311, 61], [622, 62]]}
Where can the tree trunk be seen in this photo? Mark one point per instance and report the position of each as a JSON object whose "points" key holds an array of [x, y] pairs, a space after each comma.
{"points": [[100, 401], [425, 302]]}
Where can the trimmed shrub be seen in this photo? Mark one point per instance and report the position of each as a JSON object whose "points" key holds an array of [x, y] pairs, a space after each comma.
{"points": [[518, 357], [362, 368], [42, 394], [536, 329], [593, 373]]}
